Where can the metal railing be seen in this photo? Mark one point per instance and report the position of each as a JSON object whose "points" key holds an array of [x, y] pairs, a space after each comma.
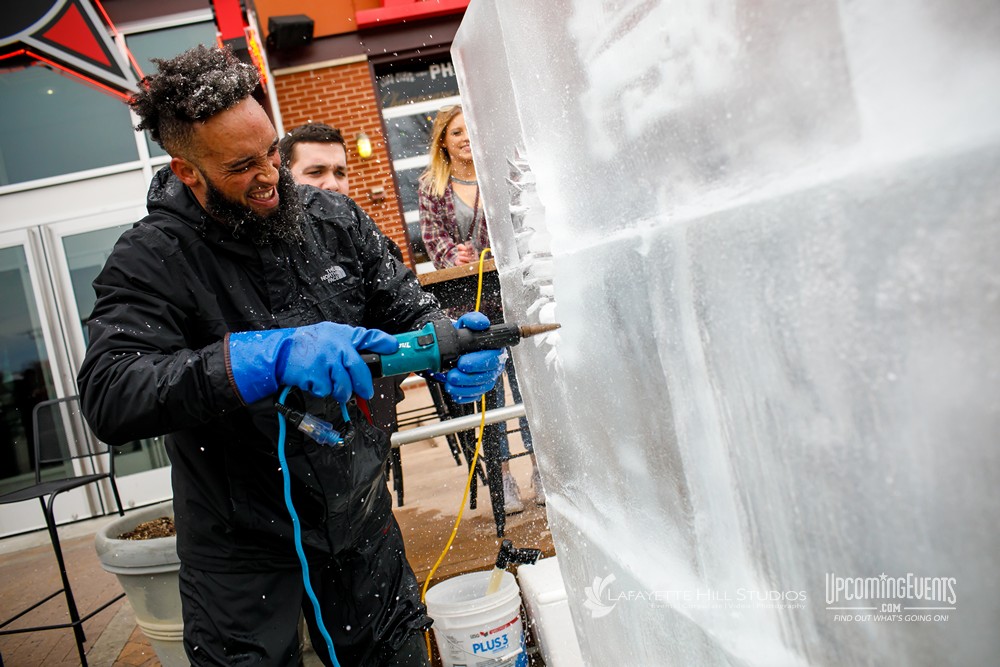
{"points": [[455, 425]]}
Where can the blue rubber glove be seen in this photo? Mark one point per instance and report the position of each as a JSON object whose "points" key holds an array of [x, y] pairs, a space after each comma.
{"points": [[319, 358], [475, 373]]}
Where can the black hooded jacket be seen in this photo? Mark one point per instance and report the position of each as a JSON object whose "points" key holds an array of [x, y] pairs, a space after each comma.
{"points": [[173, 287]]}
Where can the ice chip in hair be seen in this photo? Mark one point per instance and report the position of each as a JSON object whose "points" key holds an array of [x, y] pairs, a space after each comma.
{"points": [[194, 85]]}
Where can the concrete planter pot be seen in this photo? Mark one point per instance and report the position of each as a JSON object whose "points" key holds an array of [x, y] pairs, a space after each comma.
{"points": [[148, 571]]}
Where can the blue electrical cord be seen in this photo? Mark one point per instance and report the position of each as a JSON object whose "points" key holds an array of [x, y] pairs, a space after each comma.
{"points": [[286, 476]]}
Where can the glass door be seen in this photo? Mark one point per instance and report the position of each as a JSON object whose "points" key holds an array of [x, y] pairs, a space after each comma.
{"points": [[45, 286], [29, 359], [78, 250]]}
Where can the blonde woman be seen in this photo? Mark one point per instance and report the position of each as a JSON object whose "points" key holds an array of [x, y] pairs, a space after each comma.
{"points": [[452, 221], [453, 226]]}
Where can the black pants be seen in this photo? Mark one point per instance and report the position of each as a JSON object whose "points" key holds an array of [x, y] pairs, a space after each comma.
{"points": [[370, 604], [413, 653]]}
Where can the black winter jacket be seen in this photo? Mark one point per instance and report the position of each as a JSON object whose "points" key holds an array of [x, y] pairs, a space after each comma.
{"points": [[173, 287]]}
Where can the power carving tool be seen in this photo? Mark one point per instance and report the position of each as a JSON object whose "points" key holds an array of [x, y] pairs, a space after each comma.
{"points": [[435, 347], [438, 345]]}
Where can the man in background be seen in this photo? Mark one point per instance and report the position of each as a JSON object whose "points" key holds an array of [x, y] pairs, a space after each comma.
{"points": [[316, 155]]}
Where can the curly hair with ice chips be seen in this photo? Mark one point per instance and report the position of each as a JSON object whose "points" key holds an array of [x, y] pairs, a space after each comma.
{"points": [[189, 88]]}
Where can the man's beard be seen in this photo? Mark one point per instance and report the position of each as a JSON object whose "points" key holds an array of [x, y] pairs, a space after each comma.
{"points": [[284, 223]]}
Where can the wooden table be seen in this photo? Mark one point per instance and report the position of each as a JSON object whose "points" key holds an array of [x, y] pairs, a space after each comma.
{"points": [[442, 275]]}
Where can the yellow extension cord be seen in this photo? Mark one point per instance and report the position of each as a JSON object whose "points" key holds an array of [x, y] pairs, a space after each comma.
{"points": [[472, 472]]}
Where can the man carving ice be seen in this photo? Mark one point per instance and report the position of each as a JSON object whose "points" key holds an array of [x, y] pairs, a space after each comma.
{"points": [[205, 309]]}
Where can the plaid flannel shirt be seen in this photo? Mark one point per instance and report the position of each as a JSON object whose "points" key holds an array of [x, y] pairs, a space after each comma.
{"points": [[439, 228]]}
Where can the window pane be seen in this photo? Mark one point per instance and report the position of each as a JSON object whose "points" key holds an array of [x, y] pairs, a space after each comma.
{"points": [[408, 187], [167, 43], [25, 374], [417, 246], [409, 136], [53, 124], [85, 255]]}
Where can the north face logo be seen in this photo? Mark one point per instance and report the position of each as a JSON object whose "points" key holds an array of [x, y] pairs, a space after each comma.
{"points": [[333, 274]]}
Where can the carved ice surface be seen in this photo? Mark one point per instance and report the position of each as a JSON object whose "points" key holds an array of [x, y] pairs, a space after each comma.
{"points": [[770, 232]]}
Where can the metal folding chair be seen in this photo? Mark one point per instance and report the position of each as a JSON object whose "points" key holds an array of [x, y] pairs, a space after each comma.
{"points": [[67, 456]]}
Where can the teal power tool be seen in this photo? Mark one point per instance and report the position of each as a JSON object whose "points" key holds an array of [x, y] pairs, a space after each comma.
{"points": [[435, 347], [438, 345]]}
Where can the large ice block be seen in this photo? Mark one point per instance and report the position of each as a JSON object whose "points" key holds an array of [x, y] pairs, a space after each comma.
{"points": [[769, 429]]}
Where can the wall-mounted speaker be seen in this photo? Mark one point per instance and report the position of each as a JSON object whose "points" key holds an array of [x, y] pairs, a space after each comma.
{"points": [[289, 32]]}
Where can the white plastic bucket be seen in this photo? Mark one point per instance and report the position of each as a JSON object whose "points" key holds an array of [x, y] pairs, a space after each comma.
{"points": [[473, 629]]}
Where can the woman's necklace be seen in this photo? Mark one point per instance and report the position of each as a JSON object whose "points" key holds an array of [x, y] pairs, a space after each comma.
{"points": [[463, 182]]}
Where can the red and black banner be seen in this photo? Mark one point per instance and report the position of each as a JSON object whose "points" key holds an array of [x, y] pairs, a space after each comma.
{"points": [[71, 35]]}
